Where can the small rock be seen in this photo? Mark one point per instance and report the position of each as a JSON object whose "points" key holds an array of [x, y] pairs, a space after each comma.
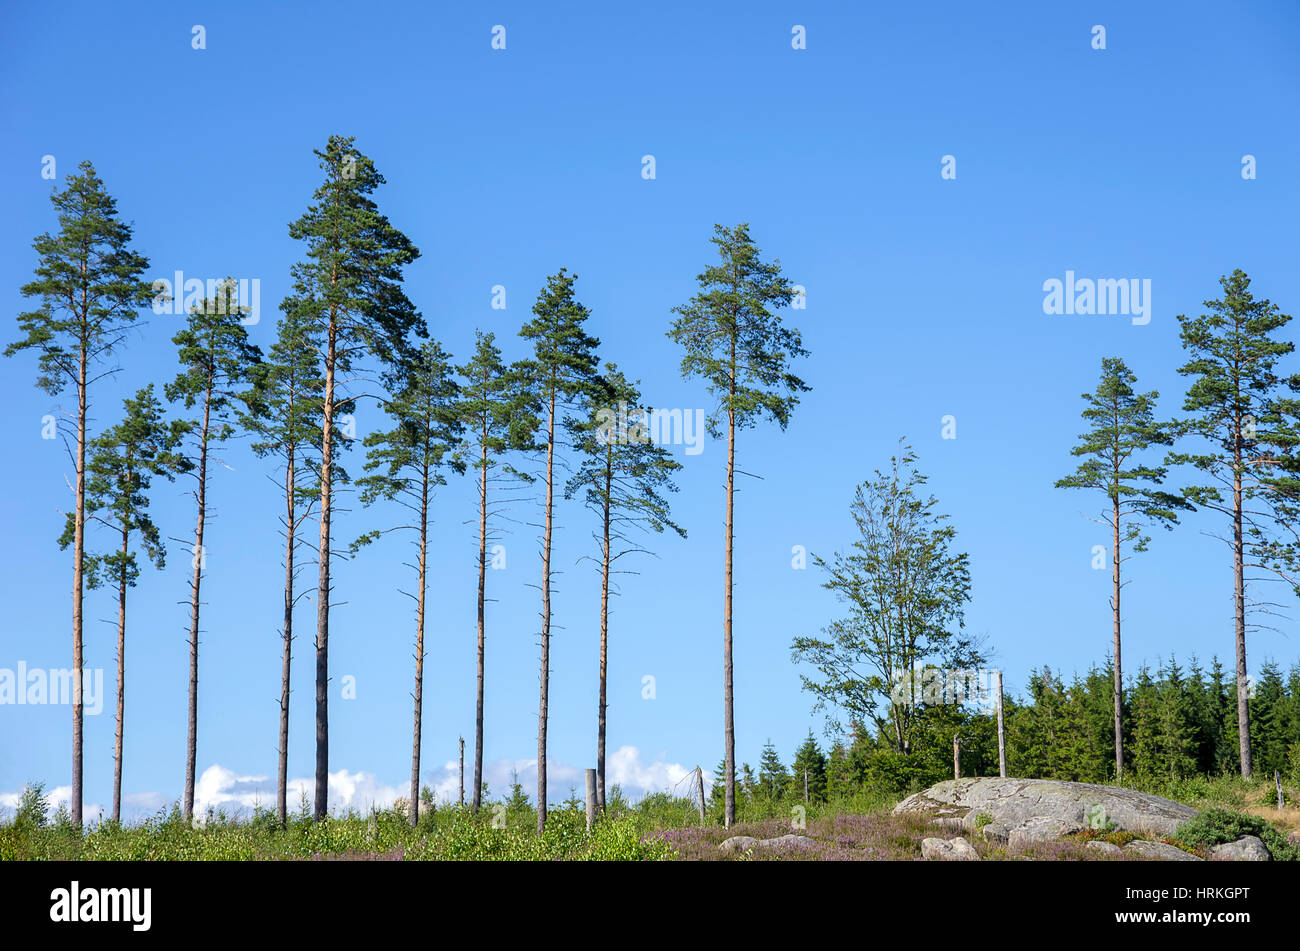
{"points": [[1105, 848], [743, 843], [956, 850], [1248, 848], [1146, 849]]}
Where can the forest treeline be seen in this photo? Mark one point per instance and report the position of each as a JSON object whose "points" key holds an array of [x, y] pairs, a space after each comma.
{"points": [[1179, 722]]}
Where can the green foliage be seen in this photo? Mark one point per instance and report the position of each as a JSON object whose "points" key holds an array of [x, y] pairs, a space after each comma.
{"points": [[906, 590], [733, 338], [1216, 826]]}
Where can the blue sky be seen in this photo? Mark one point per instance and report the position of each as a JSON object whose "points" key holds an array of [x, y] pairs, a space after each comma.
{"points": [[924, 299]]}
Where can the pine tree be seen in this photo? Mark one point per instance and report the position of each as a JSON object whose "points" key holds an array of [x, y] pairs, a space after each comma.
{"points": [[1123, 427], [406, 466], [562, 375], [736, 342], [772, 775], [808, 771], [88, 282], [622, 476], [123, 461], [500, 418], [1252, 434], [348, 292], [216, 360], [284, 417]]}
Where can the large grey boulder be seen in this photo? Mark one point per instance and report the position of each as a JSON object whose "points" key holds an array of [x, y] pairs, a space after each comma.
{"points": [[1018, 812], [956, 850], [1248, 848]]}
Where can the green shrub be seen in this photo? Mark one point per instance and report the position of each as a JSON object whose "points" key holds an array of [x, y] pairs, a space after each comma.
{"points": [[1216, 826]]}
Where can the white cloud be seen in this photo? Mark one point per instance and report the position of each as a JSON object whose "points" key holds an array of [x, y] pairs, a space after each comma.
{"points": [[221, 788]]}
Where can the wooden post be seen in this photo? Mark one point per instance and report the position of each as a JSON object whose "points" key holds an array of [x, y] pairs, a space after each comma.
{"points": [[699, 788], [462, 770], [1002, 733], [1277, 780], [805, 784], [591, 798], [956, 756]]}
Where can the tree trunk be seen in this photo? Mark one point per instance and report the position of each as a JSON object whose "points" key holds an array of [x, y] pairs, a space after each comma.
{"points": [[729, 729], [282, 780], [482, 590], [78, 584], [1239, 579], [1119, 678], [121, 672], [546, 618], [323, 586], [604, 637], [419, 647], [192, 735]]}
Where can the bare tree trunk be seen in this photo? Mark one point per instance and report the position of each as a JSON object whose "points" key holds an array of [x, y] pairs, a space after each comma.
{"points": [[282, 778], [604, 638], [321, 807], [1119, 677], [78, 585], [200, 556], [1239, 571], [1002, 733], [728, 720], [546, 619], [461, 801], [482, 590], [419, 647], [121, 673]]}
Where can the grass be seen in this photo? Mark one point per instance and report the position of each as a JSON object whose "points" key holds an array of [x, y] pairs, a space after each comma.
{"points": [[659, 827]]}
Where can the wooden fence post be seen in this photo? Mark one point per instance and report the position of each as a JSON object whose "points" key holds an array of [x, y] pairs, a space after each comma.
{"points": [[1277, 780], [956, 756], [591, 798], [1002, 734], [699, 788]]}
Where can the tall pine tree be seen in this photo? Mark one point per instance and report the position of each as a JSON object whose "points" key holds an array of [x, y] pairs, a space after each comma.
{"points": [[562, 376], [623, 477], [1248, 430], [216, 361], [406, 465], [123, 462], [1122, 427], [736, 342], [90, 291], [499, 413], [348, 290]]}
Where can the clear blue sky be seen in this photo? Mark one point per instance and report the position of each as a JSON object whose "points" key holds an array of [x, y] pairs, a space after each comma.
{"points": [[924, 298]]}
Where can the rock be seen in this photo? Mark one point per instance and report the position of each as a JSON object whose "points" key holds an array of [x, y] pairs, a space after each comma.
{"points": [[1016, 812], [956, 850], [1040, 829], [743, 843], [1144, 849], [1248, 848], [1105, 848]]}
